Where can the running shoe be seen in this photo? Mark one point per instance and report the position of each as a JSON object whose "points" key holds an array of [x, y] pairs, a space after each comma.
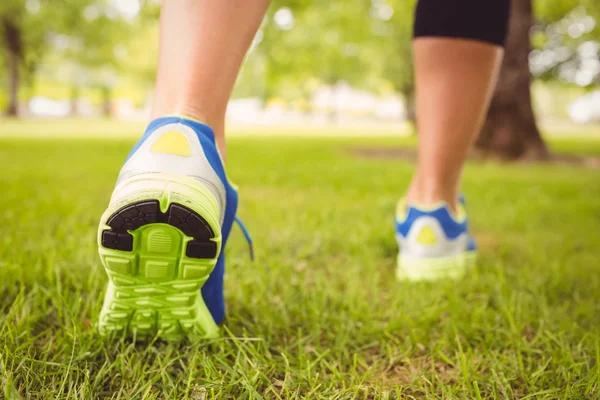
{"points": [[434, 241], [161, 238]]}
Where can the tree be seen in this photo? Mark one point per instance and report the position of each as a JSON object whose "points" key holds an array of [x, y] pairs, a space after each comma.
{"points": [[29, 29], [510, 130], [396, 40], [304, 45], [13, 45], [100, 52]]}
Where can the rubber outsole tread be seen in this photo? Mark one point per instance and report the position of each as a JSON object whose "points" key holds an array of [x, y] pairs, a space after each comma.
{"points": [[134, 216], [157, 263], [431, 269]]}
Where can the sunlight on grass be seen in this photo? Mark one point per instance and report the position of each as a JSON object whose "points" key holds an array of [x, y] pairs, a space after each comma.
{"points": [[319, 314], [102, 128]]}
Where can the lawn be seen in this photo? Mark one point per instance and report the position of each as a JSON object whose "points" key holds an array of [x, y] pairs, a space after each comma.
{"points": [[319, 314]]}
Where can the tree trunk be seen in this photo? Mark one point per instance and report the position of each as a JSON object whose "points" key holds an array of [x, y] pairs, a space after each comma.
{"points": [[74, 101], [13, 86], [107, 105], [510, 130], [14, 52], [410, 104]]}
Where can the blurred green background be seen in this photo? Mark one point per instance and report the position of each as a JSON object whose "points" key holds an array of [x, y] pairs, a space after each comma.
{"points": [[317, 62]]}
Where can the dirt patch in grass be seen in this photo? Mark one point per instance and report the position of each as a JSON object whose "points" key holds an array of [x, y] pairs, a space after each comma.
{"points": [[397, 369], [412, 373], [409, 154]]}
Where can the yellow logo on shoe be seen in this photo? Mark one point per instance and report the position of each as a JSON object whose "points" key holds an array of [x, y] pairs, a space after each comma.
{"points": [[172, 142], [426, 236]]}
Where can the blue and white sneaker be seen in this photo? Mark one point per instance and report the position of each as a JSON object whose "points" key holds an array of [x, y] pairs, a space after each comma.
{"points": [[434, 243], [161, 238]]}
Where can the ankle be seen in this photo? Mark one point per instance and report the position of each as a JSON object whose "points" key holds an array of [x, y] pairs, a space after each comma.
{"points": [[431, 194]]}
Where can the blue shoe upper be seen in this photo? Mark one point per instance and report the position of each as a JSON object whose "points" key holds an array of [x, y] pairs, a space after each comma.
{"points": [[212, 291], [472, 246], [451, 226]]}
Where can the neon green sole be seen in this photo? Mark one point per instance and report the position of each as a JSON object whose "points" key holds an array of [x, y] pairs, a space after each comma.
{"points": [[430, 269], [159, 241]]}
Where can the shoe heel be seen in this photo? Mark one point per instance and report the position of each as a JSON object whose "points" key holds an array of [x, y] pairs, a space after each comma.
{"points": [[158, 242], [429, 269]]}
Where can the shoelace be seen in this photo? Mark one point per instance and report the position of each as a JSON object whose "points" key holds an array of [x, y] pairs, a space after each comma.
{"points": [[246, 235]]}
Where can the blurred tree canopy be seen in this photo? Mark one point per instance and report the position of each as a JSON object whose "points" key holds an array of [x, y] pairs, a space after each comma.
{"points": [[80, 34], [565, 40], [301, 46]]}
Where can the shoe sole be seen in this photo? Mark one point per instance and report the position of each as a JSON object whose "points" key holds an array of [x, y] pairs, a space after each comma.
{"points": [[430, 269], [158, 243]]}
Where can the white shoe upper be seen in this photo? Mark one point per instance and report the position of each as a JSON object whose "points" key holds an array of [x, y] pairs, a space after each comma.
{"points": [[151, 158]]}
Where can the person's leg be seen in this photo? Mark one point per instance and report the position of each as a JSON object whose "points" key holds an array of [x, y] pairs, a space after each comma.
{"points": [[162, 236], [202, 45], [457, 52]]}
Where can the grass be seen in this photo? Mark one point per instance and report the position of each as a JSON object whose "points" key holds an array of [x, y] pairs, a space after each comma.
{"points": [[319, 314]]}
